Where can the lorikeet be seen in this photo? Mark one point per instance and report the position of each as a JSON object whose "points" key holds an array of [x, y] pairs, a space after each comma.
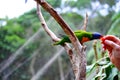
{"points": [[82, 36]]}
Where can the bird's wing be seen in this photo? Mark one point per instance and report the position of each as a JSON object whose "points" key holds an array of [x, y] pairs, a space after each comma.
{"points": [[79, 31]]}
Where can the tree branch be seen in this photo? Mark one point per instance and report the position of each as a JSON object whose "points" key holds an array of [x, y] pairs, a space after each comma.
{"points": [[85, 22], [44, 25], [95, 49], [96, 54], [52, 35], [80, 64]]}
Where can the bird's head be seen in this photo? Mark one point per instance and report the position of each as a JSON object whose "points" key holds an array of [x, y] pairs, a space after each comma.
{"points": [[96, 35]]}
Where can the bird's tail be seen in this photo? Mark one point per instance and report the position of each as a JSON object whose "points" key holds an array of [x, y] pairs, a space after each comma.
{"points": [[56, 43]]}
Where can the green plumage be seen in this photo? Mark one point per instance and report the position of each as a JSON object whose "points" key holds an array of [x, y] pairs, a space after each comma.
{"points": [[80, 34]]}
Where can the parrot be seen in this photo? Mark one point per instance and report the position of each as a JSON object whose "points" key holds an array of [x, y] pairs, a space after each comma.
{"points": [[82, 35]]}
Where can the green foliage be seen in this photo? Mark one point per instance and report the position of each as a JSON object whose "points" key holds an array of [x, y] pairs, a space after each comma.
{"points": [[115, 29], [100, 23], [104, 70], [28, 18], [73, 19], [116, 16], [110, 3], [10, 37], [54, 3], [11, 32], [79, 3]]}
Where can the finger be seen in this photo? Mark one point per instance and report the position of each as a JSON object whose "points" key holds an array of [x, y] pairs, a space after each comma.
{"points": [[112, 44], [112, 38], [107, 47]]}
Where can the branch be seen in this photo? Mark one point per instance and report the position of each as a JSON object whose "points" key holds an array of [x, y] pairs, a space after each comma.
{"points": [[58, 18], [81, 64], [95, 49], [44, 25], [52, 35], [85, 22], [96, 54]]}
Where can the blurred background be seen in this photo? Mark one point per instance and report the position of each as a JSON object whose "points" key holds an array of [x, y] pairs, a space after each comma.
{"points": [[26, 49]]}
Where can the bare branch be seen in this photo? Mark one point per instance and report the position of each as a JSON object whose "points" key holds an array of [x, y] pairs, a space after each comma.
{"points": [[52, 35], [85, 22], [95, 49], [54, 38], [96, 54], [79, 65], [44, 25]]}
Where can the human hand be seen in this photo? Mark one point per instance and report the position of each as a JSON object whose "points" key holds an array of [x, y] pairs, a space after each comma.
{"points": [[112, 44]]}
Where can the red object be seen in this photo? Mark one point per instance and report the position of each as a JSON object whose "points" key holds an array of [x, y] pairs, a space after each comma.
{"points": [[109, 48], [114, 52]]}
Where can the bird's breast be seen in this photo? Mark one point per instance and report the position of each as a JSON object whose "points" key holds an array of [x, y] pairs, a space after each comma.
{"points": [[84, 39]]}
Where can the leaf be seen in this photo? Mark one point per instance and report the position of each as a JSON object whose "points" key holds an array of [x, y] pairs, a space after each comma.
{"points": [[90, 68], [115, 29], [115, 17], [113, 74], [101, 74]]}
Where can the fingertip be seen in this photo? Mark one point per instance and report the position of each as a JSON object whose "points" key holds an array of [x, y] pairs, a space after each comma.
{"points": [[107, 42], [111, 38], [111, 44]]}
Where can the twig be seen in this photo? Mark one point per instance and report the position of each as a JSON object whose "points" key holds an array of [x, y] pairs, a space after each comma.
{"points": [[80, 72], [95, 49], [96, 54], [44, 25], [85, 22], [103, 53]]}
